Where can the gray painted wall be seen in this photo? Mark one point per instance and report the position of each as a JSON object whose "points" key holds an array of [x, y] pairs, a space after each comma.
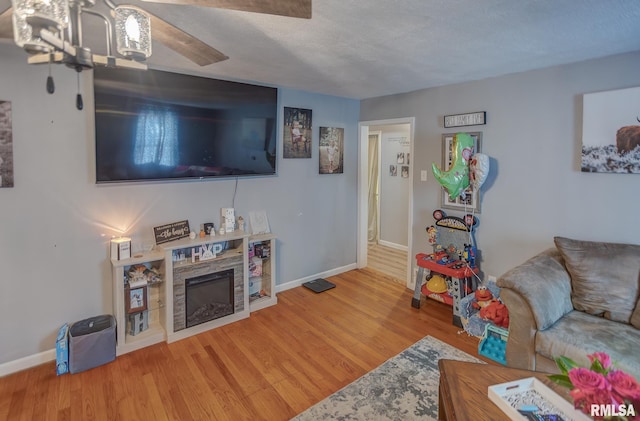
{"points": [[56, 222], [533, 135]]}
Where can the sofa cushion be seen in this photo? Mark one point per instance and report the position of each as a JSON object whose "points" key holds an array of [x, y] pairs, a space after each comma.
{"points": [[578, 334], [605, 277]]}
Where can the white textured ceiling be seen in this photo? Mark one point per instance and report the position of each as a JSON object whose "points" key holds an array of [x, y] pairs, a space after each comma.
{"points": [[367, 48]]}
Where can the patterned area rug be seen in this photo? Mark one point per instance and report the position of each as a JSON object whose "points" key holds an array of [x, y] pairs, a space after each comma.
{"points": [[404, 387]]}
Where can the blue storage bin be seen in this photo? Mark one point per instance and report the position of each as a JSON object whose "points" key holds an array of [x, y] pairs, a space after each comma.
{"points": [[494, 343]]}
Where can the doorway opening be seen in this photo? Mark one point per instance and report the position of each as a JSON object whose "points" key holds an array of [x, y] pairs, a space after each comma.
{"points": [[385, 197]]}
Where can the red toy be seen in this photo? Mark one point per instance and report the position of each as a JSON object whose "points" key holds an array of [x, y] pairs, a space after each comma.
{"points": [[483, 297], [496, 312]]}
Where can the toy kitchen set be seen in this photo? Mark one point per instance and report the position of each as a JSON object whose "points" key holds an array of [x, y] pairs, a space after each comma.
{"points": [[452, 268]]}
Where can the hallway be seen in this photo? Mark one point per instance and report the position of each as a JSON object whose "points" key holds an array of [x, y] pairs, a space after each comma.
{"points": [[388, 260]]}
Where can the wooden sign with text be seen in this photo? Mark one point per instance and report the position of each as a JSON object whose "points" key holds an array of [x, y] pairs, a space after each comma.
{"points": [[170, 232], [469, 119]]}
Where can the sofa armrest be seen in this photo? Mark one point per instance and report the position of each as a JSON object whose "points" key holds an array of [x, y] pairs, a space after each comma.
{"points": [[544, 285], [521, 352]]}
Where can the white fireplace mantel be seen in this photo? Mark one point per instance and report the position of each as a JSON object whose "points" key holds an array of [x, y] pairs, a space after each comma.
{"points": [[161, 295]]}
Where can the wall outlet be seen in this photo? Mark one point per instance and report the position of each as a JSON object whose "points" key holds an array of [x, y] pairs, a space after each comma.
{"points": [[423, 175]]}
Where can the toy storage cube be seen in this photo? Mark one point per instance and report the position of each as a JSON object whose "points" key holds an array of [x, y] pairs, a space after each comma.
{"points": [[92, 342], [494, 343]]}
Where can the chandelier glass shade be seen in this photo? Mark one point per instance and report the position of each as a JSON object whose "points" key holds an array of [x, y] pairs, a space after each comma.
{"points": [[133, 32], [30, 16]]}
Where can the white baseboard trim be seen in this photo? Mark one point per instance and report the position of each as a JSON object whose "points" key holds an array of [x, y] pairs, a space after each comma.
{"points": [[27, 362], [393, 245], [298, 282], [50, 355]]}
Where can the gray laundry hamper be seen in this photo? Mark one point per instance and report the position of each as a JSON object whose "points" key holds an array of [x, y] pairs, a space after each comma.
{"points": [[92, 342]]}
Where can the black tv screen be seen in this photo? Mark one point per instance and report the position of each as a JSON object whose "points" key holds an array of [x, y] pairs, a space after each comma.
{"points": [[154, 125]]}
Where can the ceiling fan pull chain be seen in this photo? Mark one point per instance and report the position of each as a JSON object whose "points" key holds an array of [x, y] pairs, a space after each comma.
{"points": [[79, 104], [51, 87]]}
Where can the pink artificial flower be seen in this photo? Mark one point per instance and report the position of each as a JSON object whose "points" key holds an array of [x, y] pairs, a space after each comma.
{"points": [[624, 386], [583, 400], [605, 360], [587, 380]]}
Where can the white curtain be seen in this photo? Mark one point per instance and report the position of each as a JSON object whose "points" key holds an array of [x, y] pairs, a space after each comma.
{"points": [[373, 233], [156, 138]]}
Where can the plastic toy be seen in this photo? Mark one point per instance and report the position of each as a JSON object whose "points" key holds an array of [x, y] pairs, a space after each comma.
{"points": [[494, 344], [436, 284], [454, 259]]}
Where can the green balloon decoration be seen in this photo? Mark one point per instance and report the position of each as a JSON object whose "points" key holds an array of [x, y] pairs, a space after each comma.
{"points": [[456, 179]]}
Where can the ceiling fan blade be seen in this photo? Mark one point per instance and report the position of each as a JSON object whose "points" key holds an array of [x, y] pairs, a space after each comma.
{"points": [[183, 43], [6, 24], [290, 8]]}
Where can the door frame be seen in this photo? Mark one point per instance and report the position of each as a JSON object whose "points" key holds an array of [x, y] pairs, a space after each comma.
{"points": [[378, 134], [363, 187]]}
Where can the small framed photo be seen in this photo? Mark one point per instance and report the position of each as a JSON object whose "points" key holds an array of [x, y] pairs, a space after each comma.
{"points": [[136, 299], [208, 227], [331, 150]]}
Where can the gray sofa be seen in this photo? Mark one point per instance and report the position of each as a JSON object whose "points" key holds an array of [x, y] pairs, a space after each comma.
{"points": [[575, 299]]}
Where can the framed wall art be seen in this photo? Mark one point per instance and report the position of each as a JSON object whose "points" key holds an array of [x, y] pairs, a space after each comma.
{"points": [[471, 201], [331, 148], [6, 145], [611, 131], [297, 133]]}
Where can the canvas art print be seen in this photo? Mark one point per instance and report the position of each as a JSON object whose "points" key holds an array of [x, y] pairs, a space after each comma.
{"points": [[6, 145], [297, 133], [611, 131], [331, 150]]}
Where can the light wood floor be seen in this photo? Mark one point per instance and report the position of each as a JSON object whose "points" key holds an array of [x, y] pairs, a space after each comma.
{"points": [[270, 366], [388, 260]]}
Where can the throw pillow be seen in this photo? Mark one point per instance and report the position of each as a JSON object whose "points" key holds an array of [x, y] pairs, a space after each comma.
{"points": [[605, 277]]}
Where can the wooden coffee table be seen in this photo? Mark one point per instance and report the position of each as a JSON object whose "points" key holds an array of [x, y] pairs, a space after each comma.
{"points": [[464, 387]]}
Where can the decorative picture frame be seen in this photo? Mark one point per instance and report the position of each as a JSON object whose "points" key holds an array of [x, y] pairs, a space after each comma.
{"points": [[297, 133], [471, 202], [6, 144], [135, 299], [611, 131], [331, 150]]}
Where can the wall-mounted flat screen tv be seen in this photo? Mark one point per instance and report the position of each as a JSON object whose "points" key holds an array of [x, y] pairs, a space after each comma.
{"points": [[155, 125]]}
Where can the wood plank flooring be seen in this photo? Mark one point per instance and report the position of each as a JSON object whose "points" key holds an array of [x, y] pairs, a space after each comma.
{"points": [[270, 366], [388, 260]]}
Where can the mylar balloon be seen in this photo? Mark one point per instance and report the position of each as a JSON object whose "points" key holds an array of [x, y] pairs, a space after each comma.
{"points": [[478, 170], [456, 179]]}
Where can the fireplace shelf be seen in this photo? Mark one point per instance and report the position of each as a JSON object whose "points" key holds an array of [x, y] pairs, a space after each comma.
{"points": [[166, 305], [155, 293], [262, 271]]}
